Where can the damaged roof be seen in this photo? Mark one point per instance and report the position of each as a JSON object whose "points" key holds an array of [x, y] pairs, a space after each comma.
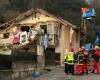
{"points": [[33, 11]]}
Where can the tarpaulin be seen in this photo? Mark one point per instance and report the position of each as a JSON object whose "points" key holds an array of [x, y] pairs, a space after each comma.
{"points": [[16, 38], [23, 38], [45, 41]]}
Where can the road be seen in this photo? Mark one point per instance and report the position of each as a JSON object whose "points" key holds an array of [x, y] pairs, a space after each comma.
{"points": [[58, 74]]}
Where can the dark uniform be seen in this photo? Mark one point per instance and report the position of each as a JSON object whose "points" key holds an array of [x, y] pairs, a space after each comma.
{"points": [[80, 66], [66, 64], [86, 60], [96, 61]]}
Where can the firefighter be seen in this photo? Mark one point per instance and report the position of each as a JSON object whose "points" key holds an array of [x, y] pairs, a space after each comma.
{"points": [[86, 60], [71, 58], [79, 65], [96, 60], [65, 61]]}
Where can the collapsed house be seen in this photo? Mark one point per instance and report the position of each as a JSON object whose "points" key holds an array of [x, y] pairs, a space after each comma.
{"points": [[41, 33]]}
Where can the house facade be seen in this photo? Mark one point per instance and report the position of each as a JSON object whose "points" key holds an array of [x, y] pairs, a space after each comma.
{"points": [[60, 33]]}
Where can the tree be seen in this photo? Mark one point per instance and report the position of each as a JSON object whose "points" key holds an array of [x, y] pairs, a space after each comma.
{"points": [[67, 9], [2, 20], [20, 5]]}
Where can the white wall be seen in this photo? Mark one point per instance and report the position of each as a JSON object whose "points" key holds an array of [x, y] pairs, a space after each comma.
{"points": [[63, 41]]}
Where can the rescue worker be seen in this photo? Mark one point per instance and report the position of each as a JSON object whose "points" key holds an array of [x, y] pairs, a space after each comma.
{"points": [[65, 61], [79, 65], [96, 60], [71, 58], [86, 60]]}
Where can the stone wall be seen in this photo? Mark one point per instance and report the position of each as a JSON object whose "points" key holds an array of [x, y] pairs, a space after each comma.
{"points": [[19, 71]]}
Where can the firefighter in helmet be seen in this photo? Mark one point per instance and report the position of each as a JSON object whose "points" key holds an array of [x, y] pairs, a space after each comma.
{"points": [[70, 59], [79, 65], [96, 56], [86, 60], [66, 61]]}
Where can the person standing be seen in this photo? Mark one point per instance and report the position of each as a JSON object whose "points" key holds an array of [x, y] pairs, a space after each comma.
{"points": [[79, 65], [96, 60], [71, 58], [66, 61], [86, 61]]}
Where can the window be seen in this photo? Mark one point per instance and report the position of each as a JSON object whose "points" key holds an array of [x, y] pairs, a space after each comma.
{"points": [[44, 27], [25, 28], [50, 28], [6, 35], [56, 28]]}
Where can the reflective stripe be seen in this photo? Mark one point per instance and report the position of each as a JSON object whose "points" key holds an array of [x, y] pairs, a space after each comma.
{"points": [[70, 62], [80, 62], [65, 62], [80, 58]]}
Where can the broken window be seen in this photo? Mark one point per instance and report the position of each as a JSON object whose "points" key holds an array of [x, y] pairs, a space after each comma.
{"points": [[44, 27], [25, 28], [6, 35]]}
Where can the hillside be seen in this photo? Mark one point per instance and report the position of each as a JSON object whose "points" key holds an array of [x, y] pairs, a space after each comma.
{"points": [[67, 9]]}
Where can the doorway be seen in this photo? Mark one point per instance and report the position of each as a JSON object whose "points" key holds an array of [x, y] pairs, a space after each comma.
{"points": [[51, 58]]}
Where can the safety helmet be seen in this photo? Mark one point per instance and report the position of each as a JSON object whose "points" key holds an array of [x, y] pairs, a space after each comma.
{"points": [[80, 49], [86, 53], [71, 49]]}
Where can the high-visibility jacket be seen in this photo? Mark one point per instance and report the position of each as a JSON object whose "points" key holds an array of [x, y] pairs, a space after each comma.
{"points": [[70, 57], [65, 59], [65, 56]]}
